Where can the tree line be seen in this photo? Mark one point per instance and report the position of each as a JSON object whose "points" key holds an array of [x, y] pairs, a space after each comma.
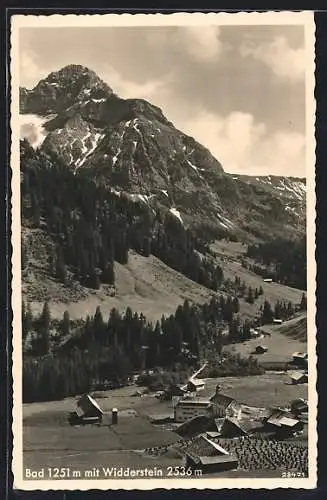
{"points": [[283, 260], [73, 354], [113, 348]]}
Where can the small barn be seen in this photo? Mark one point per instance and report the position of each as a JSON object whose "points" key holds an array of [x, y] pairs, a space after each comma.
{"points": [[299, 378], [207, 456], [277, 321], [300, 358], [195, 385], [261, 349], [232, 428], [87, 410], [299, 406], [283, 423]]}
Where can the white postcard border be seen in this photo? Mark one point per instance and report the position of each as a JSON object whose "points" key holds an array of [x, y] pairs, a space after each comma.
{"points": [[177, 19]]}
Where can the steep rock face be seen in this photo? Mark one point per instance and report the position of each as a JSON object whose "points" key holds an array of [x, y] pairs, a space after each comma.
{"points": [[290, 190], [129, 145]]}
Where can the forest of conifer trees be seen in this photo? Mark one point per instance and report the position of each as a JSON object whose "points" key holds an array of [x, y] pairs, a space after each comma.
{"points": [[283, 260], [93, 227], [72, 354]]}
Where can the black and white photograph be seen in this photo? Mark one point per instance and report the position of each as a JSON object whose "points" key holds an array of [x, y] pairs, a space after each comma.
{"points": [[163, 235]]}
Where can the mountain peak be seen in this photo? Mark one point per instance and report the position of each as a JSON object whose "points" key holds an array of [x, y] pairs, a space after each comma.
{"points": [[75, 74], [63, 88]]}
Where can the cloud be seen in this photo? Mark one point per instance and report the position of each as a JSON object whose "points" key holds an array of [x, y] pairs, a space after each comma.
{"points": [[149, 89], [198, 43], [282, 153], [28, 131], [244, 146], [201, 43], [283, 60], [30, 71]]}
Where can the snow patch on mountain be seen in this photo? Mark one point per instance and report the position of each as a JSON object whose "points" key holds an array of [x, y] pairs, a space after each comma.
{"points": [[87, 151], [192, 166], [176, 213], [115, 158], [226, 223]]}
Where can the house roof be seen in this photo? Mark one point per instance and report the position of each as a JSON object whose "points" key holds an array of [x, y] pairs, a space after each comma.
{"points": [[194, 402], [303, 355], [89, 401], [194, 426], [175, 388], [299, 402], [196, 381], [282, 420], [234, 423], [202, 446], [298, 375], [212, 434], [222, 399], [216, 446]]}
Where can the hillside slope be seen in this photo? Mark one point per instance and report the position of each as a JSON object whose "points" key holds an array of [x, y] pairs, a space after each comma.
{"points": [[145, 284], [295, 328]]}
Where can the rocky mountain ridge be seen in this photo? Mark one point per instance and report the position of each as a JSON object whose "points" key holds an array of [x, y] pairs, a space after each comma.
{"points": [[129, 146]]}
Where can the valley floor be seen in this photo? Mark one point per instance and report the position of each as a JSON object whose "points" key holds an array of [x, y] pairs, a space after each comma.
{"points": [[280, 346], [148, 286], [50, 441]]}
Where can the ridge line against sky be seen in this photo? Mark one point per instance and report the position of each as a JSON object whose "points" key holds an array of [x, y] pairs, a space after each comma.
{"points": [[238, 90]]}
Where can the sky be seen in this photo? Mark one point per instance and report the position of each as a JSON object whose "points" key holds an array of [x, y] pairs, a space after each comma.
{"points": [[238, 90]]}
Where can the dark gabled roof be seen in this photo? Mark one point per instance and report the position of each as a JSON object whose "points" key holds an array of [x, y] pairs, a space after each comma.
{"points": [[282, 419], [234, 424], [261, 348], [194, 426], [222, 400], [202, 446], [87, 404]]}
